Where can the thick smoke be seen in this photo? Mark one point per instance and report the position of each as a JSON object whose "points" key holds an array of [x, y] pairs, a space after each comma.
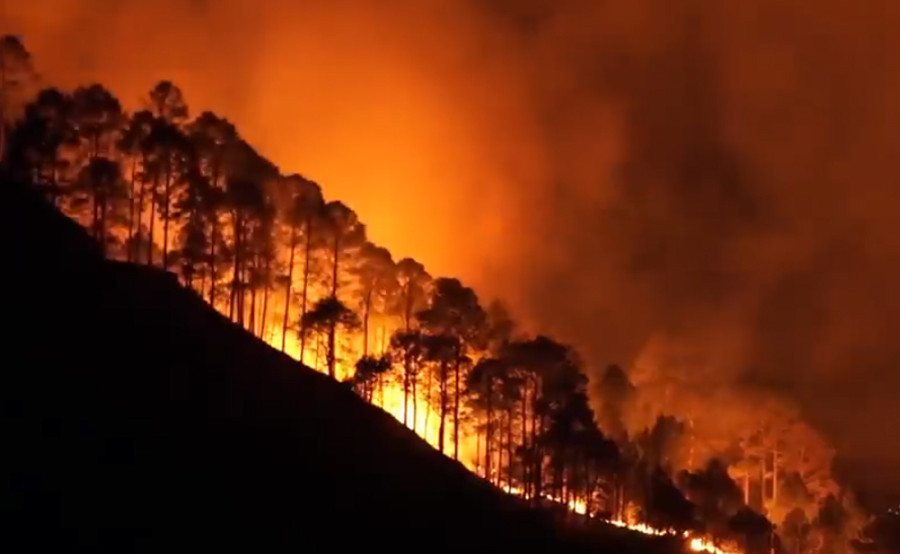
{"points": [[719, 174]]}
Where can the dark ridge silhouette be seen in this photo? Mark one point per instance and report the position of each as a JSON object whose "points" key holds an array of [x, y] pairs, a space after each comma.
{"points": [[138, 419]]}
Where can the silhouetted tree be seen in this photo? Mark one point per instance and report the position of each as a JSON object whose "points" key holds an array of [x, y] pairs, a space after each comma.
{"points": [[716, 496], [565, 412], [376, 274], [170, 147], [304, 206], [246, 202], [327, 315], [97, 117], [538, 362], [134, 144], [458, 319], [15, 72], [101, 180], [261, 272], [212, 139], [191, 209], [666, 507], [345, 232], [754, 533], [661, 444], [171, 152], [440, 350], [413, 283], [38, 141], [482, 385], [167, 103], [601, 459], [369, 371], [409, 345]]}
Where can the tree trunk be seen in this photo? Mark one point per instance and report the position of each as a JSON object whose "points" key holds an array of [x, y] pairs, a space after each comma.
{"points": [[747, 486], [428, 386], [488, 428], [407, 311], [213, 232], [539, 466], [251, 323], [330, 354], [456, 364], [140, 210], [131, 210], [242, 291], [265, 303], [316, 359], [524, 480], [366, 308], [415, 404], [691, 443], [590, 485], [479, 469], [95, 213], [166, 199], [535, 451], [443, 400], [334, 287], [287, 292], [509, 449], [305, 284], [152, 216], [775, 475], [196, 216], [212, 265], [381, 390], [406, 368], [235, 275], [498, 463]]}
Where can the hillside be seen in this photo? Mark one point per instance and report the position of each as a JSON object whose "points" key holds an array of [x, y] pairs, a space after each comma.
{"points": [[138, 419]]}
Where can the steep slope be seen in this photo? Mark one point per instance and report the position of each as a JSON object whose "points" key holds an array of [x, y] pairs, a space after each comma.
{"points": [[138, 419]]}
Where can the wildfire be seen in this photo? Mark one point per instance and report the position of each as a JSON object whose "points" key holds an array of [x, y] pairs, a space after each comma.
{"points": [[698, 544], [421, 415], [695, 544], [424, 420], [641, 528]]}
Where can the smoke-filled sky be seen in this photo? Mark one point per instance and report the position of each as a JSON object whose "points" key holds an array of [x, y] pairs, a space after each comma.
{"points": [[723, 174]]}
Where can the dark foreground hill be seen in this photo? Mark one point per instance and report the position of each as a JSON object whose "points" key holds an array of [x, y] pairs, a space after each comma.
{"points": [[138, 419]]}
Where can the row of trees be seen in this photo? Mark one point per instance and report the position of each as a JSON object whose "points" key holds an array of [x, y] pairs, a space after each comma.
{"points": [[156, 186]]}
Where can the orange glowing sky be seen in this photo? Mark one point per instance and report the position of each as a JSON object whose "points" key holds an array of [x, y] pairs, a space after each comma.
{"points": [[376, 113]]}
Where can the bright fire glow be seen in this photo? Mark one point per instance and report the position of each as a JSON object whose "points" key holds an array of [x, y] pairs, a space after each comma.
{"points": [[425, 421], [422, 416], [696, 544]]}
